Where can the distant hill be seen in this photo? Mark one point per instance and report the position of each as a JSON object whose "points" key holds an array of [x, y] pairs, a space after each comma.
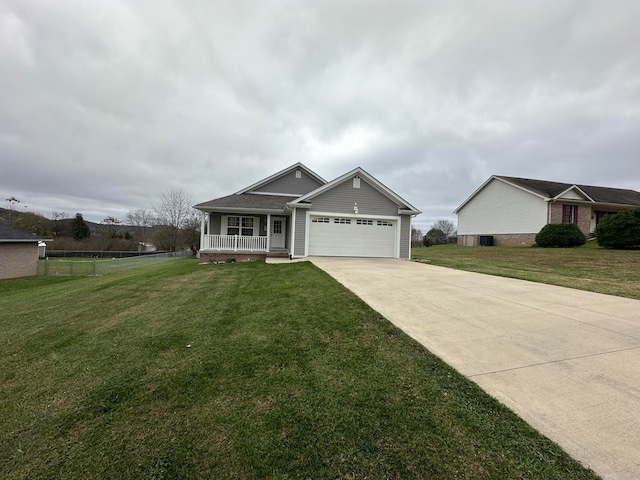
{"points": [[6, 216]]}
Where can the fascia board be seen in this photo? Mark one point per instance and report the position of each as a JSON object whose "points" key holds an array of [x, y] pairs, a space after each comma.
{"points": [[240, 210]]}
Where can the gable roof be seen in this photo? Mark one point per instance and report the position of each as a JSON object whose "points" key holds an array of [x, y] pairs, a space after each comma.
{"points": [[409, 209], [549, 190], [12, 235], [282, 173]]}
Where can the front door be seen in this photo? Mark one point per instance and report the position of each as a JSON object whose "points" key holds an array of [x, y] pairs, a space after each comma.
{"points": [[278, 227]]}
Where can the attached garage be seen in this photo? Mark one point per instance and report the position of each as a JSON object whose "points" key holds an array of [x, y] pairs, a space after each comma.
{"points": [[352, 236]]}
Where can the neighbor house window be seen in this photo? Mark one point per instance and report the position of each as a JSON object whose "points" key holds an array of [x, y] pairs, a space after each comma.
{"points": [[244, 226], [569, 214]]}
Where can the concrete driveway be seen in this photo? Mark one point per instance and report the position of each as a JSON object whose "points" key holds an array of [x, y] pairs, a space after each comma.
{"points": [[567, 361]]}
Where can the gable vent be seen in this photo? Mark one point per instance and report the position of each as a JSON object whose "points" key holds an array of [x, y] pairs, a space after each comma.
{"points": [[298, 174], [356, 182]]}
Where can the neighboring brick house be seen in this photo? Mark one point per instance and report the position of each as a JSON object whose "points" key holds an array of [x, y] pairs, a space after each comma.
{"points": [[18, 253], [511, 210]]}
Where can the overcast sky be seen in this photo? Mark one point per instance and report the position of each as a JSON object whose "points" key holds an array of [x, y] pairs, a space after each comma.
{"points": [[106, 104]]}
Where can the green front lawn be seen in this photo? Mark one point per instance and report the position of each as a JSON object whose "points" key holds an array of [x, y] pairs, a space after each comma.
{"points": [[614, 272], [238, 371]]}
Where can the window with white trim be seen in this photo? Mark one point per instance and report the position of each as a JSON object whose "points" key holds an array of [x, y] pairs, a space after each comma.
{"points": [[319, 220], [384, 223], [237, 225], [364, 222], [344, 221], [569, 214]]}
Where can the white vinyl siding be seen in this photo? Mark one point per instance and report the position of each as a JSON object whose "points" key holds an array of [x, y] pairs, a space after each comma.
{"points": [[500, 208]]}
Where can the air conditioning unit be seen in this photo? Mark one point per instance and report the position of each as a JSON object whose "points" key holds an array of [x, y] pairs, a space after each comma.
{"points": [[486, 240]]}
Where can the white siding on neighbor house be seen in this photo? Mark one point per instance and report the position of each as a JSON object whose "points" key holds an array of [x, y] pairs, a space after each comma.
{"points": [[289, 184], [500, 208]]}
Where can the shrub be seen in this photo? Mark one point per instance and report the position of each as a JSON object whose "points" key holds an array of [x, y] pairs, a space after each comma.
{"points": [[620, 231], [437, 237], [560, 235], [427, 241]]}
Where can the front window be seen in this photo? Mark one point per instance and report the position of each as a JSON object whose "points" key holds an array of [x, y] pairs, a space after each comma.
{"points": [[240, 226], [569, 214]]}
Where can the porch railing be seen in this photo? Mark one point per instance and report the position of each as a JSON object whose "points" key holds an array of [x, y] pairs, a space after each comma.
{"points": [[234, 243]]}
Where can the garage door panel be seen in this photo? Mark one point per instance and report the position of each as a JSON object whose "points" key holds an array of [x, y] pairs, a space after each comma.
{"points": [[342, 236]]}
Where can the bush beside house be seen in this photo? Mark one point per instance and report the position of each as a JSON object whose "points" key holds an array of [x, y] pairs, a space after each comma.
{"points": [[561, 235], [620, 231]]}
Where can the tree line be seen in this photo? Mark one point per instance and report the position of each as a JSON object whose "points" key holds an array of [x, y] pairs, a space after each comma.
{"points": [[441, 232], [169, 225]]}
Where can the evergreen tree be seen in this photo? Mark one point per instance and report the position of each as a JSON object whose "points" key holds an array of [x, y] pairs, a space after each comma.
{"points": [[79, 228]]}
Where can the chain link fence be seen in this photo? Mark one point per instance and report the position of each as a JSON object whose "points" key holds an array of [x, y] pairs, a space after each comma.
{"points": [[101, 266]]}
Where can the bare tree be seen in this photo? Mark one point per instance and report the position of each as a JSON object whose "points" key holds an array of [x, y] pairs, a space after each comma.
{"points": [[12, 203], [445, 226], [191, 231], [416, 237], [173, 212], [142, 220], [57, 222]]}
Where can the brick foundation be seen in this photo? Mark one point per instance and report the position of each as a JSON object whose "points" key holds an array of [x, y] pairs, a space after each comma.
{"points": [[504, 240], [229, 257]]}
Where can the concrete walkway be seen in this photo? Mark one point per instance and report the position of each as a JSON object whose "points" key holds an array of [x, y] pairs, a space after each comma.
{"points": [[567, 361]]}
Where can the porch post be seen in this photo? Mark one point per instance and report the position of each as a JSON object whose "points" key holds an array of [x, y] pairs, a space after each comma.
{"points": [[268, 232], [202, 230]]}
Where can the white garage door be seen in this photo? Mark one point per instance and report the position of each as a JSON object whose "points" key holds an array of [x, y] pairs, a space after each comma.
{"points": [[352, 237]]}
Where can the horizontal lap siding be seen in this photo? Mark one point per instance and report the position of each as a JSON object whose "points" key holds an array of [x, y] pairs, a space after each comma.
{"points": [[405, 236], [343, 197], [289, 184], [502, 209], [300, 228]]}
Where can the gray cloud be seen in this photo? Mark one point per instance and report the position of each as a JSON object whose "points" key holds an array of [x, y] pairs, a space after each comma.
{"points": [[104, 106]]}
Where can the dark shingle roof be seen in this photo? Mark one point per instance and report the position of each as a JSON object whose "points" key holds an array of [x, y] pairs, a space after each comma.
{"points": [[249, 201], [618, 196], [13, 234]]}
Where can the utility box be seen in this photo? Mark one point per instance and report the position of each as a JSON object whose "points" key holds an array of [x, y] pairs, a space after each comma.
{"points": [[486, 240]]}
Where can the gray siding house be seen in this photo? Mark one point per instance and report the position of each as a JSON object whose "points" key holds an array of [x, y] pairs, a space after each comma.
{"points": [[296, 213]]}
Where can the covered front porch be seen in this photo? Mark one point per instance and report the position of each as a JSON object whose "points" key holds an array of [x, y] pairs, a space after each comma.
{"points": [[244, 233]]}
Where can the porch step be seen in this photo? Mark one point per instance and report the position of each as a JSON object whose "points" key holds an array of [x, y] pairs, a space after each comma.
{"points": [[278, 254]]}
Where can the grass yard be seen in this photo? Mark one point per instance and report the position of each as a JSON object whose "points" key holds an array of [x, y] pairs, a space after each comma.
{"points": [[238, 371], [614, 272]]}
